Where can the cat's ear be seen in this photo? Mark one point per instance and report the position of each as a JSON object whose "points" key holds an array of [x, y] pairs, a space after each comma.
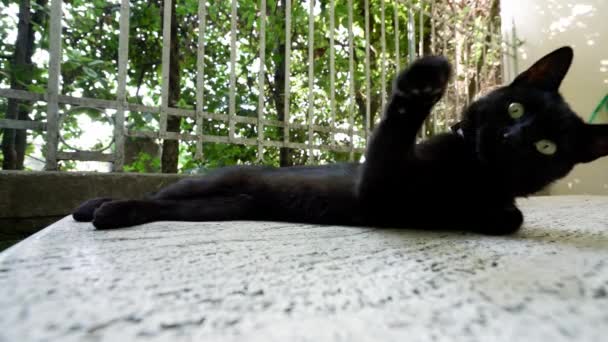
{"points": [[595, 144], [548, 72]]}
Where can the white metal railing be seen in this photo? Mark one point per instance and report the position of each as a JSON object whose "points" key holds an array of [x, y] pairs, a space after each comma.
{"points": [[441, 40]]}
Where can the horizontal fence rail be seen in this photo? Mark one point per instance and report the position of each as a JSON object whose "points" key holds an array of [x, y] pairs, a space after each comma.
{"points": [[429, 27]]}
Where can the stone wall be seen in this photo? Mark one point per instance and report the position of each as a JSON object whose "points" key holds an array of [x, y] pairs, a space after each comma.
{"points": [[29, 201]]}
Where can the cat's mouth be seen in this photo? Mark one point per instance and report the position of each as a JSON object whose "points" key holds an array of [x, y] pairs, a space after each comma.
{"points": [[487, 144], [503, 158], [493, 151]]}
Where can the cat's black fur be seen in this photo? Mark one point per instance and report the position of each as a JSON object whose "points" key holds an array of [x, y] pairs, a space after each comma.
{"points": [[467, 179]]}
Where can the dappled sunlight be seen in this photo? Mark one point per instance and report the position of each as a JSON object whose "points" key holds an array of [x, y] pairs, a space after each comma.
{"points": [[561, 21], [552, 23]]}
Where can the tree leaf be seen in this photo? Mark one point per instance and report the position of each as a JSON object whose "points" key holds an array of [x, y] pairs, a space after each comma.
{"points": [[90, 72], [96, 62]]}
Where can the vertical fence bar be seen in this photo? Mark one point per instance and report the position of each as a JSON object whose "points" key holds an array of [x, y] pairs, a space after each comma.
{"points": [[444, 36], [421, 31], [503, 53], [478, 75], [311, 75], [396, 20], [368, 83], [123, 59], [464, 57], [421, 53], [351, 72], [466, 75], [166, 60], [286, 130], [200, 78], [506, 61], [411, 33], [332, 70], [514, 44], [411, 40], [456, 74], [484, 67], [383, 54], [479, 72], [433, 33], [261, 80], [232, 94], [433, 51], [52, 120]]}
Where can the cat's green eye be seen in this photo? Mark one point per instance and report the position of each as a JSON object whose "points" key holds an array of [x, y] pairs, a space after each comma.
{"points": [[516, 110], [546, 147]]}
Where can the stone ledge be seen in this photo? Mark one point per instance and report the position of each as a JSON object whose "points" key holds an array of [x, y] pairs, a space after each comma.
{"points": [[270, 281], [28, 200]]}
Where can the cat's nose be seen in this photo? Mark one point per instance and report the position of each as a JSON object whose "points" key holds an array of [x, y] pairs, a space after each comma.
{"points": [[511, 136], [515, 130], [509, 133]]}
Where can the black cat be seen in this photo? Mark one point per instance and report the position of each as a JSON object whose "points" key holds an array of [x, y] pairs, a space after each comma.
{"points": [[513, 142]]}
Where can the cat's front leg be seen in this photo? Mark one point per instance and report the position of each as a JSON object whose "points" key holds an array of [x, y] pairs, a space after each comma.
{"points": [[415, 91], [500, 220]]}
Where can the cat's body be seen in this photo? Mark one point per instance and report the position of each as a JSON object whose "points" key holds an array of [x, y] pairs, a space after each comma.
{"points": [[511, 143]]}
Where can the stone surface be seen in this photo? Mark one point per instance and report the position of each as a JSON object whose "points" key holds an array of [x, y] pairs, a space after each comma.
{"points": [[268, 281]]}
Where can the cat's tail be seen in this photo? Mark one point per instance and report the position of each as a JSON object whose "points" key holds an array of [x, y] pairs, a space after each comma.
{"points": [[86, 211]]}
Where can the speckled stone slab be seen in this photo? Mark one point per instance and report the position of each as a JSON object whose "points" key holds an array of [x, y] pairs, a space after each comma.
{"points": [[252, 281]]}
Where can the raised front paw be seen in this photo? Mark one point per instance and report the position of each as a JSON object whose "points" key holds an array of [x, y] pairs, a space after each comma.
{"points": [[424, 82]]}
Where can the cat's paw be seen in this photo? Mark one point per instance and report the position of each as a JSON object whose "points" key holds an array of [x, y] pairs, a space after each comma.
{"points": [[85, 211], [504, 221], [424, 82], [117, 214]]}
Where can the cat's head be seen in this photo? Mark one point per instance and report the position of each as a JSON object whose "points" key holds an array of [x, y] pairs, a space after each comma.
{"points": [[527, 133]]}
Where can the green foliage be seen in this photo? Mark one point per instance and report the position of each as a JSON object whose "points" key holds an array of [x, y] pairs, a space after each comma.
{"points": [[144, 163]]}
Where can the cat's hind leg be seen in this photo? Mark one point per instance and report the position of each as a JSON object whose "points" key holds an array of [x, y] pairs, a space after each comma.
{"points": [[185, 189], [128, 213], [223, 181], [85, 211]]}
